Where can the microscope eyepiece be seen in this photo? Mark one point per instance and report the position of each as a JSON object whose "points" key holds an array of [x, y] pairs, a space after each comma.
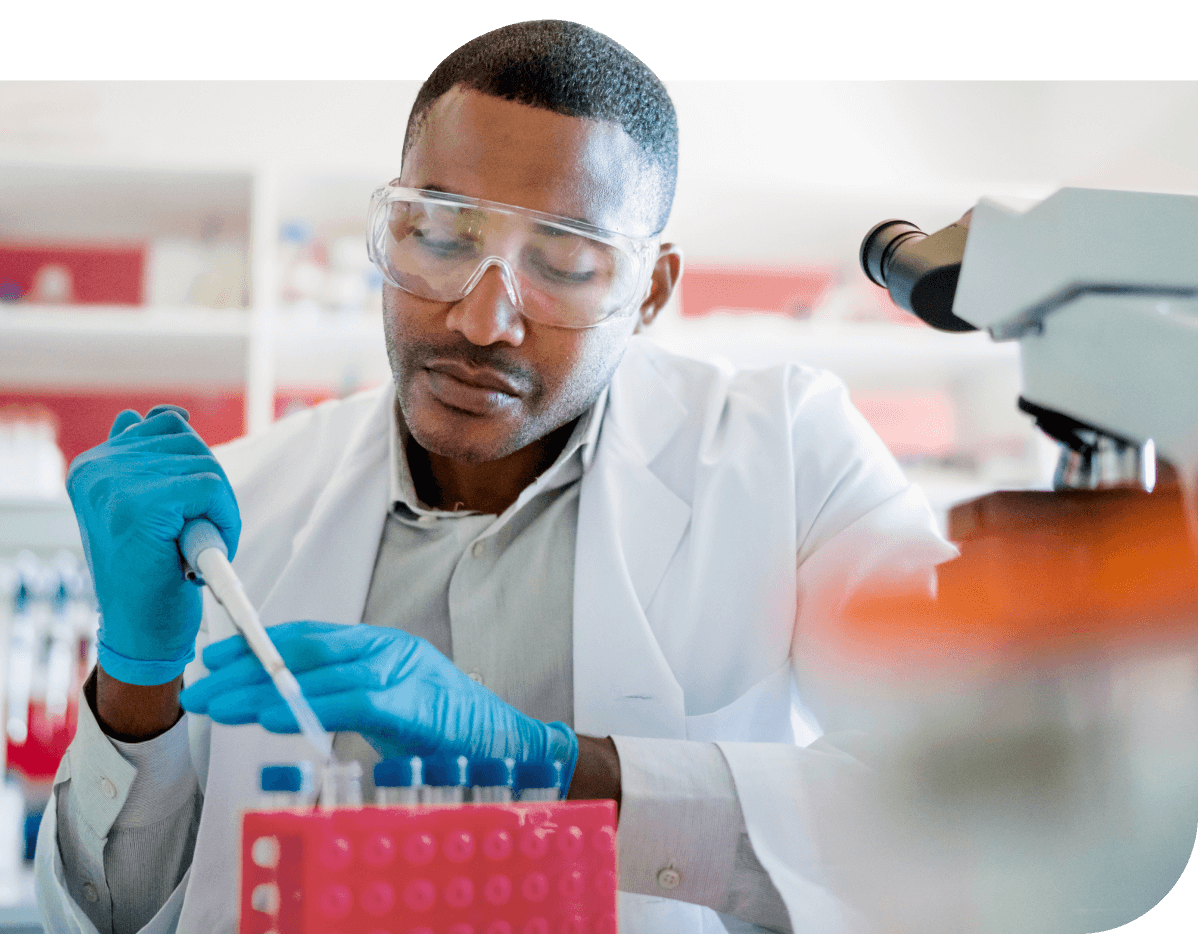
{"points": [[920, 271], [879, 245]]}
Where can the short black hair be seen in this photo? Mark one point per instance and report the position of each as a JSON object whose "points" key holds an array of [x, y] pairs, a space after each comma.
{"points": [[569, 69]]}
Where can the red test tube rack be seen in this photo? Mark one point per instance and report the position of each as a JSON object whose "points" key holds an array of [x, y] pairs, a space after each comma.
{"points": [[543, 868]]}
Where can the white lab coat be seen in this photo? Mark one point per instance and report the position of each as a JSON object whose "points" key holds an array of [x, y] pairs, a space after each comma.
{"points": [[704, 488]]}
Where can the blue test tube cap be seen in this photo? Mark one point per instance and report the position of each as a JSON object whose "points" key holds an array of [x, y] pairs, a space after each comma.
{"points": [[445, 771], [294, 777], [404, 772], [539, 775], [493, 773]]}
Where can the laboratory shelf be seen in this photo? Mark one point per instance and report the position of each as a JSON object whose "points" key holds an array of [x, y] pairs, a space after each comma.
{"points": [[66, 200], [44, 527], [863, 354], [51, 347], [342, 352], [24, 919], [266, 350], [18, 910]]}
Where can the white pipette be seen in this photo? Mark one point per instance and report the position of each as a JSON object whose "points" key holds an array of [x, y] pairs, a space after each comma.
{"points": [[207, 560]]}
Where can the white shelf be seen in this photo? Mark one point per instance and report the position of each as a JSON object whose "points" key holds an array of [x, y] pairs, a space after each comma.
{"points": [[864, 355], [63, 201], [44, 527], [102, 347], [343, 352]]}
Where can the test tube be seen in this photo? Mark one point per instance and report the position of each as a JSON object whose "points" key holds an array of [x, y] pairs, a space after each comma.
{"points": [[445, 780], [398, 781], [286, 786], [342, 785], [492, 781], [539, 781]]}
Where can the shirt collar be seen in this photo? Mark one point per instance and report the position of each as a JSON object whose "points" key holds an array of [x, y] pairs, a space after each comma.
{"points": [[581, 445]]}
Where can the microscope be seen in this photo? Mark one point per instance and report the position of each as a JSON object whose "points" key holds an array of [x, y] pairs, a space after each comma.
{"points": [[1100, 289], [1036, 720]]}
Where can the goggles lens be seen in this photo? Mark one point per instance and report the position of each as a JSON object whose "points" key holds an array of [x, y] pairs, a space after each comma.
{"points": [[555, 271]]}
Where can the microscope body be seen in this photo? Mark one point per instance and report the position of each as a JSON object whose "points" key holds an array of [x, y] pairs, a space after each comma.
{"points": [[1100, 288]]}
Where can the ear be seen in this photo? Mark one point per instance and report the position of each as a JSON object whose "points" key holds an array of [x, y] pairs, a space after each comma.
{"points": [[667, 270]]}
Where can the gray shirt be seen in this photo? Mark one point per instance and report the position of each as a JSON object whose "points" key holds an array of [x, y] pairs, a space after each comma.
{"points": [[495, 594]]}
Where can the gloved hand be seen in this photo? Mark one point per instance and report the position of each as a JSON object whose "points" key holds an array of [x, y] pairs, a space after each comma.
{"points": [[132, 494], [399, 692]]}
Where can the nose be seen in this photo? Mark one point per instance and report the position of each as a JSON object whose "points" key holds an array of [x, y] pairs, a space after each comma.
{"points": [[488, 313]]}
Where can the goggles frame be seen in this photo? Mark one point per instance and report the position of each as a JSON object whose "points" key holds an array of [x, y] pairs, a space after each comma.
{"points": [[642, 250]]}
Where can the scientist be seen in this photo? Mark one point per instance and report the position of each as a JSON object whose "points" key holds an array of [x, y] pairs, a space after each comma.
{"points": [[609, 542]]}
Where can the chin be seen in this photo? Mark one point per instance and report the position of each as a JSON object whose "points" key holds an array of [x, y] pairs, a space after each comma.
{"points": [[469, 444]]}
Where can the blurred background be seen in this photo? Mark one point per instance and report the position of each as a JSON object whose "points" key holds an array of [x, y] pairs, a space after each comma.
{"points": [[202, 243]]}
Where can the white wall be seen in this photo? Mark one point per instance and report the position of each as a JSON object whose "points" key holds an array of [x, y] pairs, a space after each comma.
{"points": [[779, 171]]}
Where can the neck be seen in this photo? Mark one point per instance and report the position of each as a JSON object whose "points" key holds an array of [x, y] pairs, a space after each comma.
{"points": [[489, 487]]}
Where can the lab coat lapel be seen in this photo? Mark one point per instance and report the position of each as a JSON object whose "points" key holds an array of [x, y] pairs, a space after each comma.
{"points": [[333, 553], [629, 526]]}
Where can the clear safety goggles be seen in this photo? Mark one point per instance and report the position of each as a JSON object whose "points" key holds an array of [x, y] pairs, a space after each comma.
{"points": [[555, 270]]}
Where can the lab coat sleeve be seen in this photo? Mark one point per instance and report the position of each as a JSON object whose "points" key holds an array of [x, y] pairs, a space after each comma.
{"points": [[114, 850], [803, 807], [682, 835], [859, 525]]}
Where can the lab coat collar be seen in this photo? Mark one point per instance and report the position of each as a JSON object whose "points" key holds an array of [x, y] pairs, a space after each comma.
{"points": [[644, 410]]}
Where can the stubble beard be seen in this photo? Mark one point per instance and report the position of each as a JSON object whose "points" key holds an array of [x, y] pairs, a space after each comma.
{"points": [[544, 412]]}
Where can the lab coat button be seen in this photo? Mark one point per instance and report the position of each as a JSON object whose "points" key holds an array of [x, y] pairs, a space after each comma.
{"points": [[475, 677], [478, 549], [90, 893], [108, 788], [669, 878]]}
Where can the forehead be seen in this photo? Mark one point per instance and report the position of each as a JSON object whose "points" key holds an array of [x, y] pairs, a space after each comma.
{"points": [[486, 147]]}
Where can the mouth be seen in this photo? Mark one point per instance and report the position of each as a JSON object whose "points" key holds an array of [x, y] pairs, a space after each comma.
{"points": [[475, 391], [475, 377]]}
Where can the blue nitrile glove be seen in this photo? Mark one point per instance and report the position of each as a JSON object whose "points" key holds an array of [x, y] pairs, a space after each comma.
{"points": [[399, 692], [132, 494]]}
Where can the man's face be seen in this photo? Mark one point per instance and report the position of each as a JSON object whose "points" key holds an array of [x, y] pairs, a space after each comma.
{"points": [[476, 380]]}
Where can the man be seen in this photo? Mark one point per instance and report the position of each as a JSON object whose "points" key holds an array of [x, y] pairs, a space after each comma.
{"points": [[608, 541]]}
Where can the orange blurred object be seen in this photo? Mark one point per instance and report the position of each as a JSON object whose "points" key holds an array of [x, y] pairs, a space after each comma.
{"points": [[1042, 577]]}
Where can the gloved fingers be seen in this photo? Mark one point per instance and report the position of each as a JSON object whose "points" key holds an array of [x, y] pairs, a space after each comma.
{"points": [[168, 407], [161, 420], [163, 454], [347, 710], [245, 672], [209, 495], [137, 445], [309, 646], [122, 421], [219, 654], [241, 705], [359, 675], [159, 509]]}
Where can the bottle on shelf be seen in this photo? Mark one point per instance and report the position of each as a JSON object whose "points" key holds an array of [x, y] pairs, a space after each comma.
{"points": [[398, 781]]}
